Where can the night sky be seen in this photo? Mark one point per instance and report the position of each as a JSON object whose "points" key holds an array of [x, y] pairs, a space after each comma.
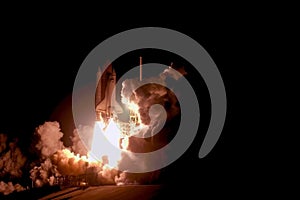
{"points": [[39, 62]]}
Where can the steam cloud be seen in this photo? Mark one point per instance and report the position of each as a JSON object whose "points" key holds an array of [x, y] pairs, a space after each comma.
{"points": [[50, 136], [60, 162], [11, 163], [159, 110], [55, 162], [7, 188]]}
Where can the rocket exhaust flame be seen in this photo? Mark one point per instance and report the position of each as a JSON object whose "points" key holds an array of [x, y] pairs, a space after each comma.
{"points": [[102, 140], [111, 140]]}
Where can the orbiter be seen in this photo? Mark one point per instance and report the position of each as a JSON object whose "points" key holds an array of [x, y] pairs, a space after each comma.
{"points": [[105, 99]]}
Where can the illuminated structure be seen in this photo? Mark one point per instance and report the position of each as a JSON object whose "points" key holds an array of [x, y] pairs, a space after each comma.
{"points": [[106, 104], [105, 100]]}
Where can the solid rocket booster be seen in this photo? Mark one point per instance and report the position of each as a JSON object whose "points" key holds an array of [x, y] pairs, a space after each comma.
{"points": [[106, 104]]}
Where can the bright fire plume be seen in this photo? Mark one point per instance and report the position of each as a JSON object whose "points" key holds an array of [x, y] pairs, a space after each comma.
{"points": [[106, 143]]}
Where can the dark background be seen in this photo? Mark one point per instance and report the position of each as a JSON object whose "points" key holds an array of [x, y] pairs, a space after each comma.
{"points": [[39, 62]]}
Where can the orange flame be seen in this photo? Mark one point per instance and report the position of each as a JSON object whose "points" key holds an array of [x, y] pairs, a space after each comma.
{"points": [[134, 111], [106, 143]]}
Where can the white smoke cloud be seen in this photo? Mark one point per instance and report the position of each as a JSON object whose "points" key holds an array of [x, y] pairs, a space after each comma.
{"points": [[59, 161], [7, 188], [11, 163], [69, 164], [107, 175], [173, 73], [49, 143], [82, 139], [157, 105], [44, 174], [11, 160], [50, 136]]}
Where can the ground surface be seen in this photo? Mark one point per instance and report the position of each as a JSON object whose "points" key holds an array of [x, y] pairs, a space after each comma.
{"points": [[126, 192]]}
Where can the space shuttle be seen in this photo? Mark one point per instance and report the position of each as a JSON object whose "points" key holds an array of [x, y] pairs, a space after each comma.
{"points": [[106, 106]]}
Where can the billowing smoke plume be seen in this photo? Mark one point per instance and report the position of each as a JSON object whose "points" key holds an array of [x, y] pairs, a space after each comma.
{"points": [[50, 136], [82, 140], [157, 105], [11, 158], [7, 188], [53, 163], [58, 162], [159, 113], [44, 174], [49, 142], [11, 164], [148, 94]]}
